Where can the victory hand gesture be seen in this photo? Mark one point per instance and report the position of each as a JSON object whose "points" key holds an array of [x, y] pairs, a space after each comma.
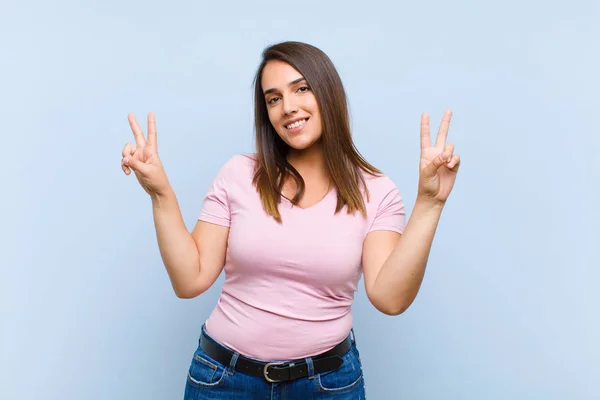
{"points": [[143, 158], [438, 165]]}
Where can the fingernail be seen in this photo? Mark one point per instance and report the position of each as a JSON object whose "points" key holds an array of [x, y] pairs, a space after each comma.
{"points": [[126, 161]]}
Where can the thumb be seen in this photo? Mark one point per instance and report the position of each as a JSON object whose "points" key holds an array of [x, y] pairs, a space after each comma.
{"points": [[431, 170], [138, 166]]}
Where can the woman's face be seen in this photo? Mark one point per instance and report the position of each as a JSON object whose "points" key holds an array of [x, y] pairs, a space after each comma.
{"points": [[291, 104]]}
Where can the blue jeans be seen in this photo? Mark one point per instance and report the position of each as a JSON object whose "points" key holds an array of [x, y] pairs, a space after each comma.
{"points": [[209, 379]]}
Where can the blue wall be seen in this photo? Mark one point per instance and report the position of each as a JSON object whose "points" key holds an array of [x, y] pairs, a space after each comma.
{"points": [[509, 305]]}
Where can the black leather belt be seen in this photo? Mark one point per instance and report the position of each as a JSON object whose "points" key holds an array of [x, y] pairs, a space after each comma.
{"points": [[277, 371]]}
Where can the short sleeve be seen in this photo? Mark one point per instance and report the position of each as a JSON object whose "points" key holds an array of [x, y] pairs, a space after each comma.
{"points": [[216, 207], [391, 215]]}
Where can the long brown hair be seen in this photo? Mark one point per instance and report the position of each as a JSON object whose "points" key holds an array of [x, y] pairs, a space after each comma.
{"points": [[343, 162]]}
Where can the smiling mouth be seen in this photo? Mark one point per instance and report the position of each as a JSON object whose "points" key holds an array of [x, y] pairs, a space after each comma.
{"points": [[296, 125]]}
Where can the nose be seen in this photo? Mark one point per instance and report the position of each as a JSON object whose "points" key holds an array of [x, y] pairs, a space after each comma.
{"points": [[289, 105]]}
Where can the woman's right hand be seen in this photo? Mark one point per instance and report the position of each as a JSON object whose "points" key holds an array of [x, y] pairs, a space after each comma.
{"points": [[143, 158]]}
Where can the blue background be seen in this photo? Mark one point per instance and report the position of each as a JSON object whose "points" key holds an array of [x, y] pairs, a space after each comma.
{"points": [[509, 305]]}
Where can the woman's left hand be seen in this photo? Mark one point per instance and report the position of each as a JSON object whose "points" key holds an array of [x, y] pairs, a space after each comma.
{"points": [[438, 165]]}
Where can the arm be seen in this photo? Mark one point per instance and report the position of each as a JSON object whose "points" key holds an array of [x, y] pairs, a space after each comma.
{"points": [[394, 264], [193, 261]]}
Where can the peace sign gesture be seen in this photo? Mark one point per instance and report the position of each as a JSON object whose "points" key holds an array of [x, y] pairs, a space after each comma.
{"points": [[143, 158], [438, 165]]}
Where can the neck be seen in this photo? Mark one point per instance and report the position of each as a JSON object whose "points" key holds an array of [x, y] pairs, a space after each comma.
{"points": [[308, 162]]}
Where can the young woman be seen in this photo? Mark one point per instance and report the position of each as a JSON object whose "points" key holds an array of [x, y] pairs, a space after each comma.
{"points": [[294, 226]]}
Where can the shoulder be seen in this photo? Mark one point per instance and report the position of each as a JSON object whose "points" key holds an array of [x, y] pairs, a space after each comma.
{"points": [[385, 204], [379, 185], [237, 166], [240, 161]]}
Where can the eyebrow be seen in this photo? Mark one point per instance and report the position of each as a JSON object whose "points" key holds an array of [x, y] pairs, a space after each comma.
{"points": [[289, 84]]}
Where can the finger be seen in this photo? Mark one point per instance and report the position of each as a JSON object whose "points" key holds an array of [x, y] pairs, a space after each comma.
{"points": [[152, 130], [454, 162], [136, 165], [443, 131], [128, 150], [425, 138], [124, 166], [430, 170], [448, 151], [137, 131]]}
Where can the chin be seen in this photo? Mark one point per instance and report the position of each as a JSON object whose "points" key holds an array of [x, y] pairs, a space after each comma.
{"points": [[300, 144]]}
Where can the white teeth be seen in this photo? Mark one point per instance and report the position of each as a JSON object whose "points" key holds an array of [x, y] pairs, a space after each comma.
{"points": [[296, 124]]}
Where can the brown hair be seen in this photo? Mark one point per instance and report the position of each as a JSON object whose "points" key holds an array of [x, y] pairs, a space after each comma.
{"points": [[343, 161]]}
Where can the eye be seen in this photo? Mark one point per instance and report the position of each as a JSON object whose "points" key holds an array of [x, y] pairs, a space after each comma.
{"points": [[303, 89], [272, 100]]}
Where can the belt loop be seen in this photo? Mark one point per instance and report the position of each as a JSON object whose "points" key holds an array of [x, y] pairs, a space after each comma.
{"points": [[311, 367], [202, 332], [233, 361], [353, 335]]}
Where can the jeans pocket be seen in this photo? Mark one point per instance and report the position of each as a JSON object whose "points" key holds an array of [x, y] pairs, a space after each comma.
{"points": [[205, 372], [344, 379]]}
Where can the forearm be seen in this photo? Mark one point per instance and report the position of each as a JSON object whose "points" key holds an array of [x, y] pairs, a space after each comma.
{"points": [[177, 248], [401, 275]]}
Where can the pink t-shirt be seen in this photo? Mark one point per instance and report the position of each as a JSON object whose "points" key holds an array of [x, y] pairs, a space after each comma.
{"points": [[289, 287]]}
